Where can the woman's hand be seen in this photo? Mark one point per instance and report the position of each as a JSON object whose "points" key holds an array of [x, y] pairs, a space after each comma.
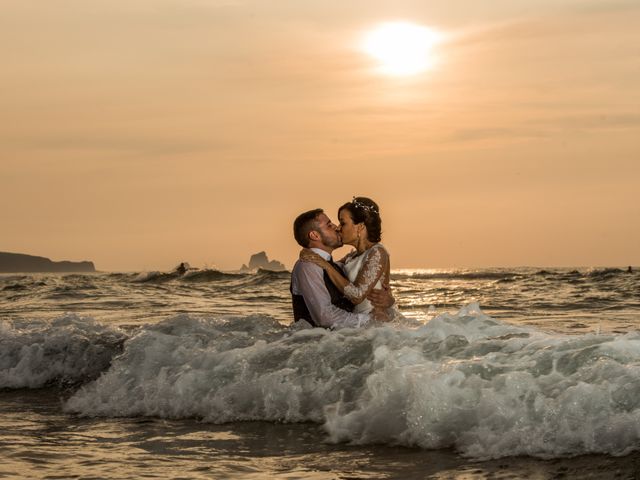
{"points": [[381, 297], [307, 255]]}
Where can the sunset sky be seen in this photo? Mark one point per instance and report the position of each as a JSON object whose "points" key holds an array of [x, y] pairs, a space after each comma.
{"points": [[143, 133]]}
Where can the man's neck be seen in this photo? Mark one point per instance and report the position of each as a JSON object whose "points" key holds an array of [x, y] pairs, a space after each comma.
{"points": [[322, 252]]}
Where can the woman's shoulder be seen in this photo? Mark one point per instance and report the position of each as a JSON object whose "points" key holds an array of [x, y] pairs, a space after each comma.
{"points": [[378, 250]]}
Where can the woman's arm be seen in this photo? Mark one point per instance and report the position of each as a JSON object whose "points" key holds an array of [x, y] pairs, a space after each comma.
{"points": [[376, 263], [336, 278]]}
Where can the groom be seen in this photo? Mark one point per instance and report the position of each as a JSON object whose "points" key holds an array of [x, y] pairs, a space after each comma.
{"points": [[314, 297]]}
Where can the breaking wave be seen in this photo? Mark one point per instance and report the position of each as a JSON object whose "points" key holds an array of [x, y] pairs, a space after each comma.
{"points": [[67, 350], [464, 381]]}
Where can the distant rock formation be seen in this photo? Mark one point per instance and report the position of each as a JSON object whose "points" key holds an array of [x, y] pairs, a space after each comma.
{"points": [[19, 263], [260, 260]]}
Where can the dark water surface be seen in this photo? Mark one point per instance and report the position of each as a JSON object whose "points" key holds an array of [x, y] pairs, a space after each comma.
{"points": [[559, 299], [37, 440]]}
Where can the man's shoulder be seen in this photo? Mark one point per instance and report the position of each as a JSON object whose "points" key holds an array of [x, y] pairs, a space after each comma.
{"points": [[297, 266], [305, 268], [306, 277]]}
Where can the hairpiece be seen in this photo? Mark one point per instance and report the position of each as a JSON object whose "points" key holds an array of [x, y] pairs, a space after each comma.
{"points": [[370, 208]]}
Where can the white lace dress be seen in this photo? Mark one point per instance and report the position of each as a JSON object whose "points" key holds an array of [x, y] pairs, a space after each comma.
{"points": [[364, 270]]}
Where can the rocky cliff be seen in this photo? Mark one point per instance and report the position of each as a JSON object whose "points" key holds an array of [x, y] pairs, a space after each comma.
{"points": [[19, 262], [260, 260]]}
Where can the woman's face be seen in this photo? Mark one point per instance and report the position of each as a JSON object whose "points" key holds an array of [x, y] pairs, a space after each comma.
{"points": [[348, 229]]}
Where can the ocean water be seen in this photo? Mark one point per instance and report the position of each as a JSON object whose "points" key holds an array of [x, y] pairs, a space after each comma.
{"points": [[492, 373]]}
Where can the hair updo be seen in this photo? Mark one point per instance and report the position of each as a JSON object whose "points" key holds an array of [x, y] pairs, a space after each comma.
{"points": [[364, 210]]}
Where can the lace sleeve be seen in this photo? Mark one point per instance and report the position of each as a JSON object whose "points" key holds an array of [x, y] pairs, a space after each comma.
{"points": [[372, 269]]}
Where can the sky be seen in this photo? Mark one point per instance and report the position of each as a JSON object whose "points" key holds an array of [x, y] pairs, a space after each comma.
{"points": [[138, 134]]}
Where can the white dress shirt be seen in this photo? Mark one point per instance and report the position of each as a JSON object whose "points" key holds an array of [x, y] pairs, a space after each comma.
{"points": [[307, 279]]}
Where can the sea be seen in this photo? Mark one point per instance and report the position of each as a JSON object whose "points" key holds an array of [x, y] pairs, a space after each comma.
{"points": [[485, 373]]}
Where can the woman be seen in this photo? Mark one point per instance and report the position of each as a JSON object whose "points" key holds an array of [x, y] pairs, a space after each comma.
{"points": [[367, 267]]}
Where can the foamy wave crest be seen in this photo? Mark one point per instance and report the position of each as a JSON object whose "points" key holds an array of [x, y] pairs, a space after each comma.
{"points": [[221, 370], [465, 381], [155, 276], [518, 393], [208, 275], [67, 350]]}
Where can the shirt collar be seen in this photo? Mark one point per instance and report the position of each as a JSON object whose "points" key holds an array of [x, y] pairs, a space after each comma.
{"points": [[322, 253]]}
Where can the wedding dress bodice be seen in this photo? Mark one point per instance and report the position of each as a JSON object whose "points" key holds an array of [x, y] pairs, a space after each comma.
{"points": [[363, 270]]}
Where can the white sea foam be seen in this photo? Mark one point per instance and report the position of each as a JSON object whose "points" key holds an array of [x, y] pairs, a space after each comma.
{"points": [[466, 381], [69, 349]]}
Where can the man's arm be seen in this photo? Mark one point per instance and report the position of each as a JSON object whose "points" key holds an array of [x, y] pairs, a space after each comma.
{"points": [[310, 284]]}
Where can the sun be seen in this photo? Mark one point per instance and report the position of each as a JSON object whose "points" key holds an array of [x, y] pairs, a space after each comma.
{"points": [[402, 48]]}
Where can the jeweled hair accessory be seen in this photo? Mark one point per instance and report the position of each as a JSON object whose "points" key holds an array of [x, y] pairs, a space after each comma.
{"points": [[369, 208]]}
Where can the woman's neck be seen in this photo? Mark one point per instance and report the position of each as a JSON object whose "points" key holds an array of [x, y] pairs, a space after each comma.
{"points": [[363, 245]]}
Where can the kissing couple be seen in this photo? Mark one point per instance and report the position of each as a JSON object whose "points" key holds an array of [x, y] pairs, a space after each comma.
{"points": [[353, 292]]}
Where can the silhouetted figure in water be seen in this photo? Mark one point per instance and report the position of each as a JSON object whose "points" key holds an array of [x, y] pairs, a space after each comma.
{"points": [[182, 268], [629, 270]]}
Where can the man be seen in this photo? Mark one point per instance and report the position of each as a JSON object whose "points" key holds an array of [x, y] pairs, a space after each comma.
{"points": [[314, 297]]}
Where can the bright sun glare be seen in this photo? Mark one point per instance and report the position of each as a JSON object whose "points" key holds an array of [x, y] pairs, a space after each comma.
{"points": [[402, 48]]}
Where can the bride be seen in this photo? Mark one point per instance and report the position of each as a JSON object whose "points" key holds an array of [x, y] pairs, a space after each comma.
{"points": [[367, 267]]}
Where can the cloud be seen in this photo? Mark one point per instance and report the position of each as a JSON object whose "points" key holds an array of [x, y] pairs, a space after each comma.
{"points": [[609, 6], [156, 145], [494, 133], [584, 18], [547, 127], [592, 121]]}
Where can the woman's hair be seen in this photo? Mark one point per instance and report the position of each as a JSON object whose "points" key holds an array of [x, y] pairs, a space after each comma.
{"points": [[364, 210]]}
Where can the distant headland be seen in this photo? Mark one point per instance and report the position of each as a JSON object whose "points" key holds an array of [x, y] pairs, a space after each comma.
{"points": [[19, 263], [260, 260]]}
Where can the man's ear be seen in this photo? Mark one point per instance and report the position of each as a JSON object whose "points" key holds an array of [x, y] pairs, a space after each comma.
{"points": [[314, 236]]}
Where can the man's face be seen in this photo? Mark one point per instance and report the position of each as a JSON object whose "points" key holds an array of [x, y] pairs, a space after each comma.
{"points": [[328, 232]]}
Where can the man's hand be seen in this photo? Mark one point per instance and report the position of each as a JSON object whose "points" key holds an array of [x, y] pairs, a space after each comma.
{"points": [[381, 297]]}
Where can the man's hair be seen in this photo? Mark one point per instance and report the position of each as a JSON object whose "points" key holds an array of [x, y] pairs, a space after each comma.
{"points": [[304, 224]]}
